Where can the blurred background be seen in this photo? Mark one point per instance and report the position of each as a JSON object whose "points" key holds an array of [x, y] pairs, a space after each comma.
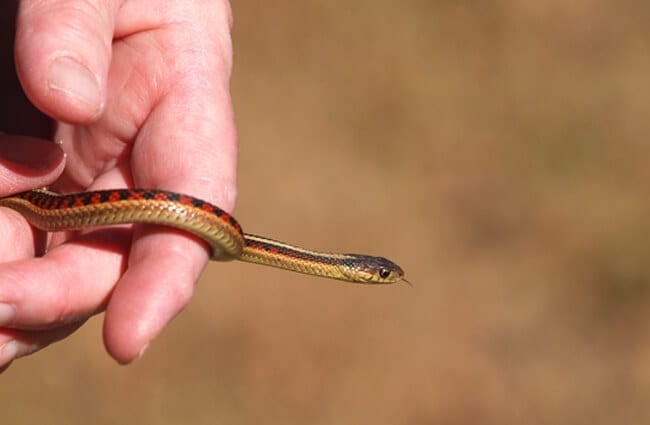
{"points": [[496, 150]]}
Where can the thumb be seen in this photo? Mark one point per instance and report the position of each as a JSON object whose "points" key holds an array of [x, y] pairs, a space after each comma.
{"points": [[63, 51], [27, 163]]}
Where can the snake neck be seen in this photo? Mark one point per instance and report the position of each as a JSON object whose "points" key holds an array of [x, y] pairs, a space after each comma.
{"points": [[261, 250]]}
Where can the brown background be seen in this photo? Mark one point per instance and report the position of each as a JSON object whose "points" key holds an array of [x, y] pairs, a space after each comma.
{"points": [[497, 150]]}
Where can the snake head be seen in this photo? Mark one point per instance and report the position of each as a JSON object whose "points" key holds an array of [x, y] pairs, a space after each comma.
{"points": [[373, 270]]}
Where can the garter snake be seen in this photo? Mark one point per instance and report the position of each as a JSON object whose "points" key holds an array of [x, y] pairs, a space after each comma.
{"points": [[53, 212]]}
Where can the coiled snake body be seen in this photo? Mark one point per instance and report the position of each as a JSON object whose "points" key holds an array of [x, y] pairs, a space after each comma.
{"points": [[53, 212]]}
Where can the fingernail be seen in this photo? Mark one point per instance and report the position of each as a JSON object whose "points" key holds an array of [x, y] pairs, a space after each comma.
{"points": [[142, 351], [8, 352], [7, 314], [31, 154], [75, 80]]}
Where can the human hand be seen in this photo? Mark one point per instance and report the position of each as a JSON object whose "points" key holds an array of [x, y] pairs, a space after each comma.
{"points": [[140, 94]]}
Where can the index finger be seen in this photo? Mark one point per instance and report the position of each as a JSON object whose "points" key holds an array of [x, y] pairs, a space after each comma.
{"points": [[187, 145]]}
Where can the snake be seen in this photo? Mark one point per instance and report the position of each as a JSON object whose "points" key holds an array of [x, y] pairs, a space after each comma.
{"points": [[53, 212]]}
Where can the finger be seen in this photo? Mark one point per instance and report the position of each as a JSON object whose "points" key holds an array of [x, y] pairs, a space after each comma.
{"points": [[195, 155], [15, 344], [153, 290], [63, 50], [25, 163], [80, 277], [19, 239]]}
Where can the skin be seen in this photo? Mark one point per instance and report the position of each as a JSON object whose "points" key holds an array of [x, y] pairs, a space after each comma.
{"points": [[145, 115]]}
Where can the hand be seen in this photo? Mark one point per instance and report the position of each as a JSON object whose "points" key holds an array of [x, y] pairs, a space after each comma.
{"points": [[140, 94]]}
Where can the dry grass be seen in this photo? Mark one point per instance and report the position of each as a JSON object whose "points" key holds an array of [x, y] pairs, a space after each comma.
{"points": [[498, 151]]}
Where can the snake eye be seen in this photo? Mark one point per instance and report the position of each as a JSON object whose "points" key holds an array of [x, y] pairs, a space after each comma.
{"points": [[384, 273]]}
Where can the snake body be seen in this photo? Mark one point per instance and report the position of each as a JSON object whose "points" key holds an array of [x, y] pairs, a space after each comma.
{"points": [[53, 212]]}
